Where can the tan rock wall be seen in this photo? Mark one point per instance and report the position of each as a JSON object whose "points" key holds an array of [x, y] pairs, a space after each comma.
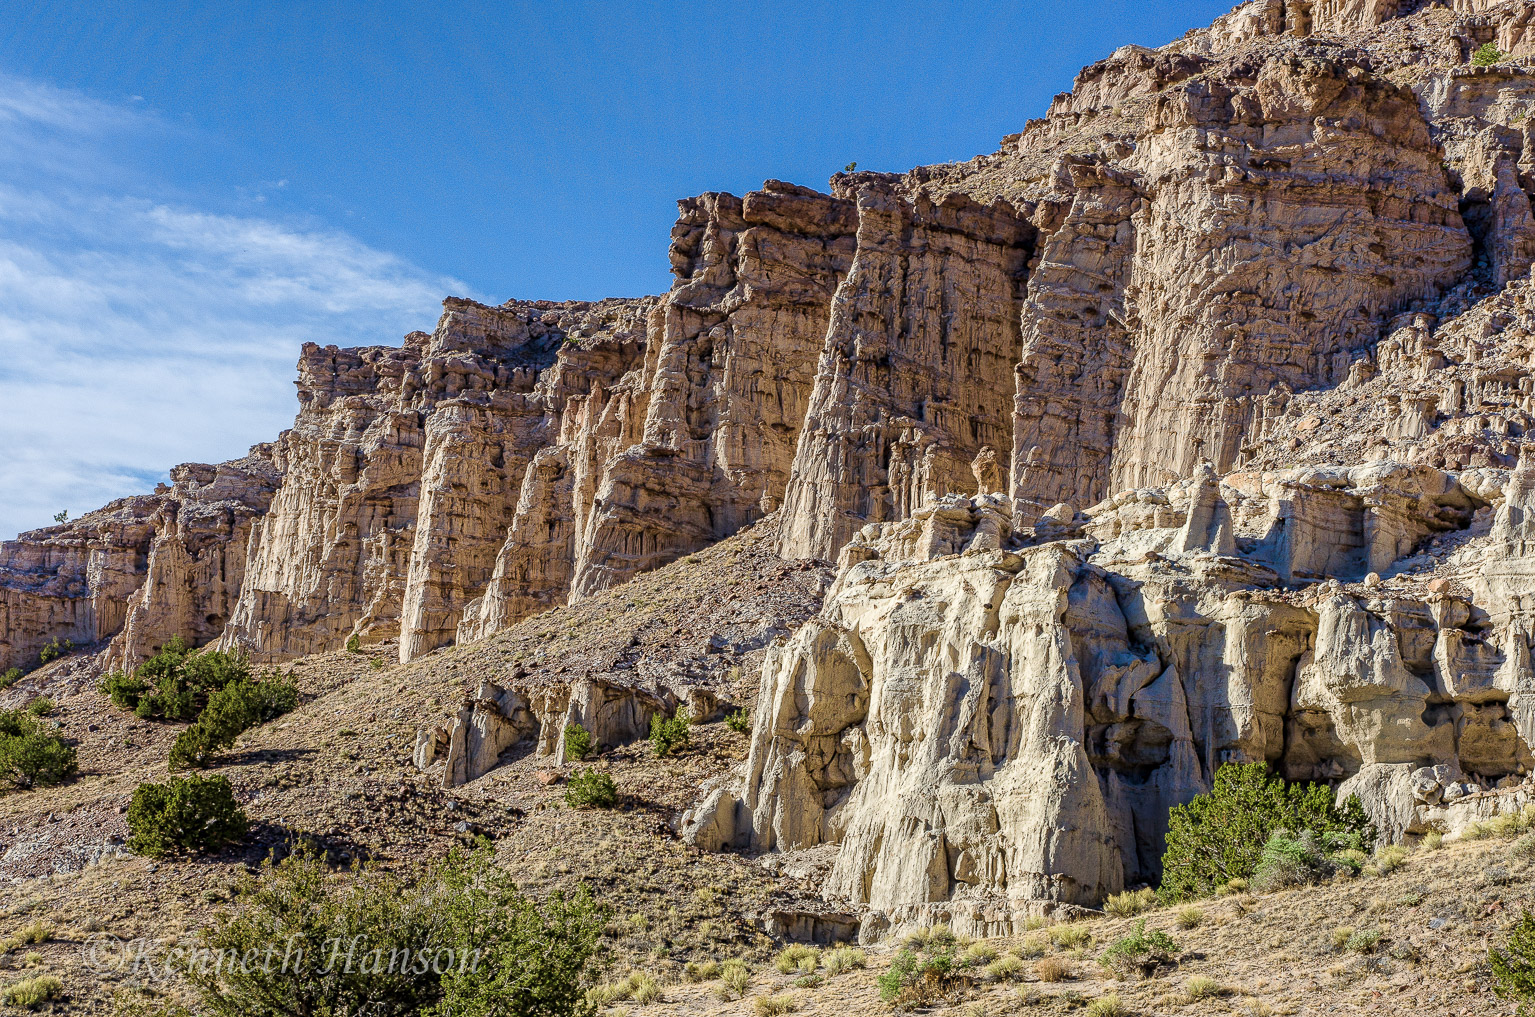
{"points": [[916, 373], [138, 571]]}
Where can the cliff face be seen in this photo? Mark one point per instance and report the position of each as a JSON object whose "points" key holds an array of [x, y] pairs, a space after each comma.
{"points": [[140, 570], [1186, 427]]}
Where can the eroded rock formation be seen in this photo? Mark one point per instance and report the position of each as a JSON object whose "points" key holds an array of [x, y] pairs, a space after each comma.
{"points": [[985, 720], [1185, 428], [140, 570]]}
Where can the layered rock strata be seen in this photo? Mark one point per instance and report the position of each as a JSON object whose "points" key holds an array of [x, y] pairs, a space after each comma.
{"points": [[1184, 428], [140, 570]]}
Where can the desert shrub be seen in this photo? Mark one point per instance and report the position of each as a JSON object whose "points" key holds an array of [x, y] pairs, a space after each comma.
{"points": [[843, 958], [175, 683], [1139, 953], [1070, 937], [1386, 860], [31, 754], [1005, 968], [612, 992], [1220, 836], [1289, 861], [235, 708], [54, 650], [11, 677], [646, 990], [797, 957], [184, 814], [701, 971], [978, 955], [1433, 840], [32, 992], [773, 1006], [505, 953], [1190, 917], [1363, 941], [740, 721], [578, 742], [591, 789], [353, 644], [1032, 946], [1130, 903], [667, 734], [193, 747], [1513, 967], [1231, 886], [1052, 969], [735, 979], [915, 980], [1510, 824], [1486, 55], [1200, 987], [1107, 1005], [42, 706], [35, 932]]}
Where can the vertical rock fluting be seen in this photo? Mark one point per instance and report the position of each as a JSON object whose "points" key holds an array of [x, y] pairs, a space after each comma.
{"points": [[984, 729], [524, 454], [1258, 233], [696, 440], [915, 377], [330, 556], [734, 347], [488, 420], [196, 561], [1147, 279]]}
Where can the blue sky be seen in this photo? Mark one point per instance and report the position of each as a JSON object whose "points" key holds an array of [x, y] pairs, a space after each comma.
{"points": [[188, 191]]}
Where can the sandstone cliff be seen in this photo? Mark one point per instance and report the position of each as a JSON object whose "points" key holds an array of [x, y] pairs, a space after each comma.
{"points": [[140, 570], [1187, 427]]}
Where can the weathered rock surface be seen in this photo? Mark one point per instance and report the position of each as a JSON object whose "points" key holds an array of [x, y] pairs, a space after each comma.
{"points": [[140, 570], [1187, 427], [985, 730]]}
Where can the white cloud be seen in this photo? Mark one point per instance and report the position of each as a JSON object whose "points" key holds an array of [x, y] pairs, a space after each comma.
{"points": [[138, 333]]}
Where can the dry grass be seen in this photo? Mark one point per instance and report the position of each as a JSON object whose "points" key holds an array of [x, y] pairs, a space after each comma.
{"points": [[701, 971], [798, 957], [1005, 968], [1510, 825], [735, 979], [1107, 1006], [1130, 903], [1053, 969], [843, 958], [31, 993], [1071, 937], [773, 1006], [1200, 987]]}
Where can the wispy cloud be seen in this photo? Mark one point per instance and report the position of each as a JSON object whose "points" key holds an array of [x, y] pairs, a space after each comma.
{"points": [[138, 332]]}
